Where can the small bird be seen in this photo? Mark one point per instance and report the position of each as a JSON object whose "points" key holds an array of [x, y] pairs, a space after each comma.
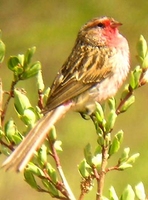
{"points": [[93, 72]]}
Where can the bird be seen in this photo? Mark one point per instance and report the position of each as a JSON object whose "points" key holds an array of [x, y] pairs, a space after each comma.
{"points": [[94, 71]]}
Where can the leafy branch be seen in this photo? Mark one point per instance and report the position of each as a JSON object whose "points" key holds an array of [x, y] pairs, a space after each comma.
{"points": [[40, 174]]}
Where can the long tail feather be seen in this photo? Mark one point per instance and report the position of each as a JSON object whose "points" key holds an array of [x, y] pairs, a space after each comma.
{"points": [[23, 153]]}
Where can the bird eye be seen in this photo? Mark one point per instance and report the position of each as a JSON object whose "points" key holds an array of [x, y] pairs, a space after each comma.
{"points": [[101, 25]]}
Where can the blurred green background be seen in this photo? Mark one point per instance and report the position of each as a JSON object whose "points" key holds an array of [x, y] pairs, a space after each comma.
{"points": [[52, 26]]}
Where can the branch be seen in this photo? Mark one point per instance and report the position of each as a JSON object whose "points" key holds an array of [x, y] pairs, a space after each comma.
{"points": [[7, 101], [101, 179], [61, 173]]}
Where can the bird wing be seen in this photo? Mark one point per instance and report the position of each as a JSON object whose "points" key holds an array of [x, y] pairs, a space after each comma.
{"points": [[83, 69]]}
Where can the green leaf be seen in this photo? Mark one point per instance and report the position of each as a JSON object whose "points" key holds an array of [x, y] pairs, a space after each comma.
{"points": [[46, 95], [114, 147], [15, 65], [128, 103], [112, 194], [53, 135], [2, 51], [119, 135], [100, 139], [132, 158], [51, 188], [99, 131], [57, 145], [124, 166], [107, 140], [42, 154], [29, 116], [125, 92], [29, 178], [140, 191], [31, 71], [112, 103], [34, 169], [10, 129], [28, 56], [132, 80], [40, 82], [12, 133], [21, 59], [135, 77], [21, 102], [145, 62], [128, 194], [99, 113], [124, 155], [98, 150], [52, 173], [142, 47], [84, 169], [17, 138], [110, 122], [88, 154]]}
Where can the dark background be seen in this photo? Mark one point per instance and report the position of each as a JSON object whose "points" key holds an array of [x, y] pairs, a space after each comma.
{"points": [[52, 26]]}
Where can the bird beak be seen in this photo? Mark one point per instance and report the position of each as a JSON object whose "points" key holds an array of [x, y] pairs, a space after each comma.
{"points": [[115, 24]]}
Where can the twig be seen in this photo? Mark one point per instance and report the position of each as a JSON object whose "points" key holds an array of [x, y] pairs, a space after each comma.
{"points": [[7, 101], [124, 100], [81, 197], [112, 168], [70, 194], [142, 82], [61, 173], [100, 181], [6, 145], [59, 186], [100, 176]]}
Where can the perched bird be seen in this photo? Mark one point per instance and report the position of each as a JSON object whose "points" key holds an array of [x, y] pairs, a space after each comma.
{"points": [[94, 71]]}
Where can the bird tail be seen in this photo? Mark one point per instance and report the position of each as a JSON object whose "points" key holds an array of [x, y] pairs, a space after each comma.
{"points": [[23, 153]]}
